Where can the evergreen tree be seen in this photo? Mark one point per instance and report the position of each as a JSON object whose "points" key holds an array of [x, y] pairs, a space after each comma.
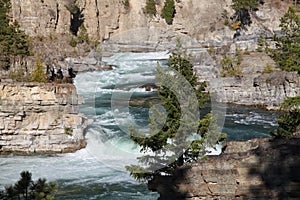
{"points": [[245, 4], [288, 122], [27, 189], [4, 34], [168, 11], [13, 42], [22, 186], [150, 7], [287, 51], [183, 137], [38, 75]]}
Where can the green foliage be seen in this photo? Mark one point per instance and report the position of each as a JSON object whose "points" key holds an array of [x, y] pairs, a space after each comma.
{"points": [[262, 44], [19, 74], [226, 22], [13, 42], [288, 122], [242, 10], [27, 189], [287, 51], [73, 42], [268, 69], [244, 4], [231, 66], [170, 143], [83, 35], [68, 130], [150, 7], [168, 11], [126, 4], [38, 75]]}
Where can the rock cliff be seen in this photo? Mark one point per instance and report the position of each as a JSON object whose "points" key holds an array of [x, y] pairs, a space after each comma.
{"points": [[36, 118], [257, 169], [254, 86], [129, 28]]}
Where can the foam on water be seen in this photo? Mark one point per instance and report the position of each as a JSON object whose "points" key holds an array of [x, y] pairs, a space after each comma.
{"points": [[99, 168]]}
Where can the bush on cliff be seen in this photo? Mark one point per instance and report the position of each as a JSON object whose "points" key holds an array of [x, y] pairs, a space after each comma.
{"points": [[287, 50], [242, 9], [150, 7], [176, 134], [28, 189], [231, 65], [168, 11], [38, 75], [288, 122]]}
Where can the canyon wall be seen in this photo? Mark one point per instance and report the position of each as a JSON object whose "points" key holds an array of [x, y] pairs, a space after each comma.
{"points": [[124, 28], [37, 118], [256, 169], [253, 86]]}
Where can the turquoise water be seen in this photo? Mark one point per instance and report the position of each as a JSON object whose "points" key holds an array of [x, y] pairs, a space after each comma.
{"points": [[97, 172]]}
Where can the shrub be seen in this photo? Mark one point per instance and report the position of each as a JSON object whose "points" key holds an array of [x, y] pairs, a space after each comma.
{"points": [[242, 9], [38, 75], [290, 120], [83, 35], [126, 4], [150, 7], [231, 66], [68, 130], [73, 42], [18, 74], [268, 69]]}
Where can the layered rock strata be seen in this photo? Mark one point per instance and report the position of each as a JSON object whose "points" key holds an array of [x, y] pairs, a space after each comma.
{"points": [[130, 28], [253, 86], [257, 169], [38, 118]]}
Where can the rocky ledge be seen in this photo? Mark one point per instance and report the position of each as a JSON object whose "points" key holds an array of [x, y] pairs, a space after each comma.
{"points": [[39, 118], [256, 169]]}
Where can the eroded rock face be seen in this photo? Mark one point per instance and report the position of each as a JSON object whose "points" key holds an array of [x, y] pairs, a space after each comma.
{"points": [[253, 87], [256, 169], [266, 90], [36, 118], [130, 29]]}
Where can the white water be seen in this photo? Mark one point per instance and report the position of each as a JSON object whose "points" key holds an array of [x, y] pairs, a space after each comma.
{"points": [[109, 148]]}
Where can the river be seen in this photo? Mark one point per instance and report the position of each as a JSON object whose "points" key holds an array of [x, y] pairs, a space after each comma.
{"points": [[97, 172]]}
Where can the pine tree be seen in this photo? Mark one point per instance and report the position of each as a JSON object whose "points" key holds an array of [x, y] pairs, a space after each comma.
{"points": [[289, 121], [287, 51], [183, 136], [27, 189], [244, 4], [13, 41], [150, 7], [4, 36], [38, 75], [168, 11]]}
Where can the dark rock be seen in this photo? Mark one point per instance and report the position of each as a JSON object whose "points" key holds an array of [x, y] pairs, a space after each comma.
{"points": [[256, 169]]}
